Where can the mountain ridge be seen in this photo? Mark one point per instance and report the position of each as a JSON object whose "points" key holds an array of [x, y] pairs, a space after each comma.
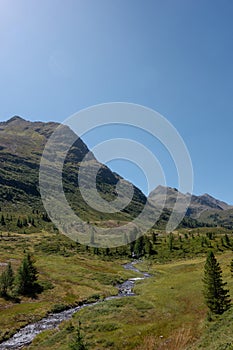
{"points": [[198, 204], [22, 143]]}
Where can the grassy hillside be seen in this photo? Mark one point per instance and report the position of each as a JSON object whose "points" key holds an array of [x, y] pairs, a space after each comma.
{"points": [[221, 218], [167, 313], [67, 276], [21, 147], [218, 335], [168, 309]]}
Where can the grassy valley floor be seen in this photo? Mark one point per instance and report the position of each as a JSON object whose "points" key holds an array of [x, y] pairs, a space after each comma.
{"points": [[168, 311]]}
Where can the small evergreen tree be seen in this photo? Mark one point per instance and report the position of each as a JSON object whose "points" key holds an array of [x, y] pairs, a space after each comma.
{"points": [[107, 251], [19, 223], [148, 246], [139, 246], [10, 275], [78, 342], [170, 242], [216, 296], [154, 237], [3, 284], [96, 250], [27, 276], [6, 280], [3, 223], [25, 222]]}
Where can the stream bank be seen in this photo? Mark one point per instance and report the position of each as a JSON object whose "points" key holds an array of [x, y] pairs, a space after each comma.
{"points": [[26, 334]]}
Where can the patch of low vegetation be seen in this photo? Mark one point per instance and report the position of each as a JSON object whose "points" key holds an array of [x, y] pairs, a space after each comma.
{"points": [[169, 312], [64, 280], [169, 307], [217, 334]]}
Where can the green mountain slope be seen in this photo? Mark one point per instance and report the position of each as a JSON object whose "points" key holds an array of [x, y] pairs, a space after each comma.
{"points": [[21, 145], [222, 218]]}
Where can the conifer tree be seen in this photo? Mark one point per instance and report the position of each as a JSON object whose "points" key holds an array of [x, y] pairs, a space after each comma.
{"points": [[3, 284], [216, 296], [154, 237], [10, 275], [170, 242], [27, 276], [6, 280], [25, 222], [78, 342], [19, 223], [3, 223], [139, 246], [148, 246]]}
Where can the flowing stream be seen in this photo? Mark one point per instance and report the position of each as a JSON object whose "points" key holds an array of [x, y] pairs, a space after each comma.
{"points": [[26, 334]]}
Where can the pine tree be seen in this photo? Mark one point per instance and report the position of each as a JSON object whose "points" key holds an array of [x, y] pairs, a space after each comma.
{"points": [[3, 284], [78, 342], [107, 251], [3, 223], [10, 275], [170, 242], [25, 222], [154, 237], [148, 246], [139, 246], [27, 276], [6, 280], [19, 223], [216, 296]]}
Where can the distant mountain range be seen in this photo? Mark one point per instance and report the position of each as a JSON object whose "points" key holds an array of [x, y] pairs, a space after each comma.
{"points": [[204, 208], [198, 204], [21, 146]]}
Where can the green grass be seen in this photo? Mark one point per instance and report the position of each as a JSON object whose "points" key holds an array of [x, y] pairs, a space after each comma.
{"points": [[67, 280], [167, 313], [218, 335], [168, 309]]}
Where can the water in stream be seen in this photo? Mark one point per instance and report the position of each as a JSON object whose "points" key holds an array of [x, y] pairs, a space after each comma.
{"points": [[26, 334]]}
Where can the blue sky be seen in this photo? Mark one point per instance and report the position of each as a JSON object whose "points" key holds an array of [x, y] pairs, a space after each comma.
{"points": [[175, 56]]}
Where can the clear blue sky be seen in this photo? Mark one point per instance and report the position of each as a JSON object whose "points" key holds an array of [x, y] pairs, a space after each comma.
{"points": [[175, 56]]}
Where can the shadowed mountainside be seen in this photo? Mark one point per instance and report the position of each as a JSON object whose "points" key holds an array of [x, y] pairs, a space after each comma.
{"points": [[21, 146]]}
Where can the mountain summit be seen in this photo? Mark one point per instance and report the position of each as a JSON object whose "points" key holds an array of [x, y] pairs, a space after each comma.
{"points": [[197, 206], [21, 146]]}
